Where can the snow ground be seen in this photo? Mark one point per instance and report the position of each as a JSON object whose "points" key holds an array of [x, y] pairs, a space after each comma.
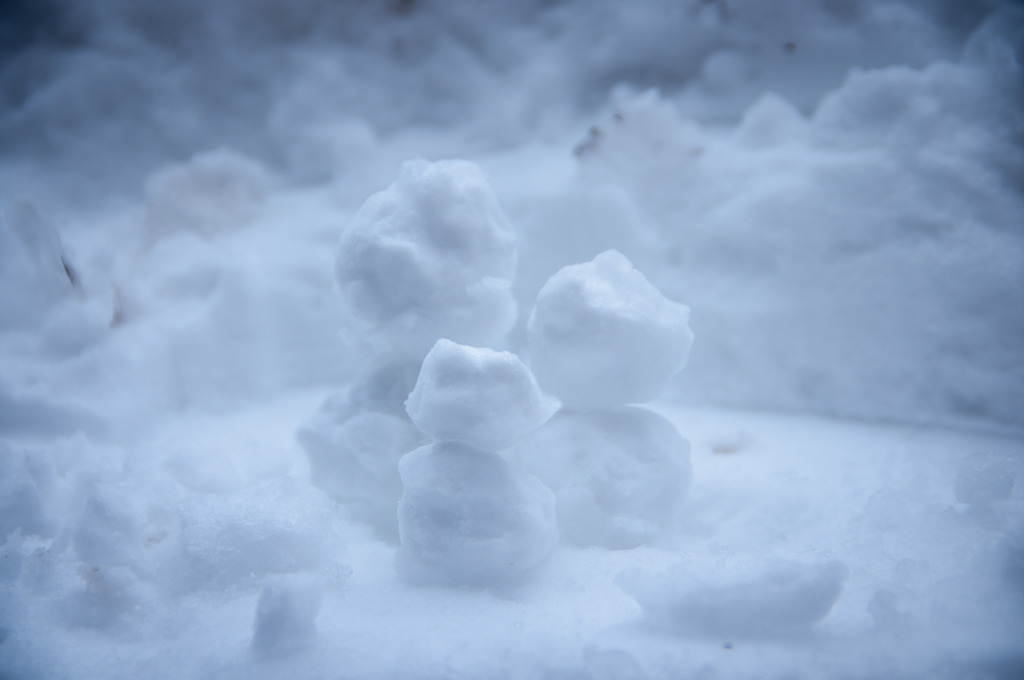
{"points": [[933, 585]]}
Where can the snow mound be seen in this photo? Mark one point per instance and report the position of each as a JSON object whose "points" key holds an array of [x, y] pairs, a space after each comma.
{"points": [[286, 612], [214, 192], [619, 476], [468, 517], [753, 600], [484, 398], [276, 527], [431, 256], [601, 335]]}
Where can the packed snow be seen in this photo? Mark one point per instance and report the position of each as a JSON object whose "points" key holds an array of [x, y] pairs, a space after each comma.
{"points": [[477, 396], [601, 335], [560, 339]]}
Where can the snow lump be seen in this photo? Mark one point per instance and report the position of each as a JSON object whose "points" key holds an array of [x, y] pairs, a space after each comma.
{"points": [[431, 256], [482, 397], [468, 517], [759, 599], [601, 335]]}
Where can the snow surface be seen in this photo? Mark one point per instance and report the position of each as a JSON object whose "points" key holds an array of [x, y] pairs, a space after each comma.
{"points": [[229, 236]]}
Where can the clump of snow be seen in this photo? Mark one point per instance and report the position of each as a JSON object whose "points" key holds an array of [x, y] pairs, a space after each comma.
{"points": [[759, 599], [481, 397], [431, 256], [619, 476], [601, 335], [469, 517], [354, 458], [286, 612], [213, 192]]}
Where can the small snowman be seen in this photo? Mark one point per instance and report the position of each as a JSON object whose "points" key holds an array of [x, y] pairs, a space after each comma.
{"points": [[602, 337], [468, 517], [431, 256]]}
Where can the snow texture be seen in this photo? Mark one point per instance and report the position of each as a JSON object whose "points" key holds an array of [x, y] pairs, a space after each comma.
{"points": [[601, 335], [619, 476], [762, 599], [481, 397], [431, 256], [468, 517], [833, 186]]}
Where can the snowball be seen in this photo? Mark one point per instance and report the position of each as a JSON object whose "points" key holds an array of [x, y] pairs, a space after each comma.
{"points": [[601, 335], [619, 476], [756, 600], [286, 611], [482, 397], [431, 256], [355, 460], [468, 517], [214, 192]]}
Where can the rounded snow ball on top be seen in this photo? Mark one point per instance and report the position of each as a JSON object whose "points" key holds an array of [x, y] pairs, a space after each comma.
{"points": [[468, 517], [485, 398], [601, 335], [431, 256]]}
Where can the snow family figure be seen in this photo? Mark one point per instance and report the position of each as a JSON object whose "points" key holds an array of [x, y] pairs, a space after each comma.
{"points": [[428, 263]]}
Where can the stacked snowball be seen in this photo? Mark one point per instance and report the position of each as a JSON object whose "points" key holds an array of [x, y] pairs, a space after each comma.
{"points": [[466, 515], [602, 337], [431, 256]]}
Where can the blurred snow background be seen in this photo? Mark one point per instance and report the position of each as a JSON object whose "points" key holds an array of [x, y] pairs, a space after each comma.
{"points": [[835, 188]]}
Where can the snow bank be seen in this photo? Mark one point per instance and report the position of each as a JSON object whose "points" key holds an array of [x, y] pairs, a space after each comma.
{"points": [[864, 260]]}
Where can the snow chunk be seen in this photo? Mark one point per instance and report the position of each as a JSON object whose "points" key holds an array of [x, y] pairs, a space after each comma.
{"points": [[468, 517], [431, 256], [355, 460], [601, 335], [286, 612], [755, 600], [619, 476], [482, 397]]}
